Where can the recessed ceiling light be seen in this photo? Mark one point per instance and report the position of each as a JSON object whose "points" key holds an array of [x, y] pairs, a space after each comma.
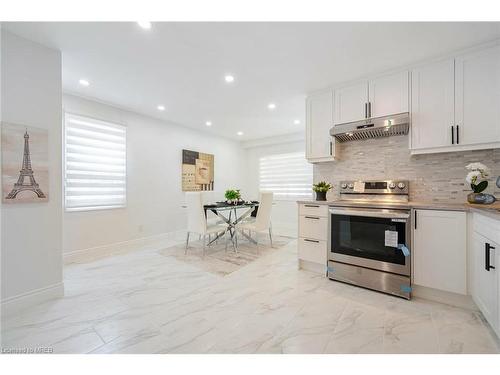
{"points": [[161, 107], [144, 24], [84, 82], [240, 133], [296, 122], [208, 123], [229, 78], [271, 106]]}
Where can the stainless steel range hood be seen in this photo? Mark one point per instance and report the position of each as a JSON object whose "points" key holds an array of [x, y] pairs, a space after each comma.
{"points": [[372, 128]]}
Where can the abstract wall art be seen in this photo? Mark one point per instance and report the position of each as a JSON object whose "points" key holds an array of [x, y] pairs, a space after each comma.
{"points": [[197, 171]]}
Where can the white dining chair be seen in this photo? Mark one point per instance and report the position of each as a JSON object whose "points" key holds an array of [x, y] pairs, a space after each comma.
{"points": [[197, 221], [263, 220]]}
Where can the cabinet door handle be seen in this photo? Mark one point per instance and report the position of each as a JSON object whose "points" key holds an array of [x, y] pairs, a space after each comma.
{"points": [[331, 146], [366, 110], [305, 239], [458, 135], [312, 217], [311, 205], [487, 248], [452, 135], [415, 219], [369, 109]]}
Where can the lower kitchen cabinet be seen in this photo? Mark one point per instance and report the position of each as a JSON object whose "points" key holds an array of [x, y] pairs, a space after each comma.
{"points": [[312, 250], [486, 260], [313, 234], [485, 278], [440, 250]]}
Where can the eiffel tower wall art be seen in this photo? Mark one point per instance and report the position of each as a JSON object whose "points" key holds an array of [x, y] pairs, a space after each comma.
{"points": [[25, 172]]}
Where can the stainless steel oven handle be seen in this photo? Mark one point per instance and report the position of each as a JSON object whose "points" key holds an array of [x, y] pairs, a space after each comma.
{"points": [[388, 214]]}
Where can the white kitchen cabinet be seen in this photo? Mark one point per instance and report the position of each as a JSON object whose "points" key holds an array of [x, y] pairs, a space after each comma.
{"points": [[485, 280], [380, 96], [320, 146], [455, 103], [485, 268], [313, 236], [351, 103], [477, 97], [432, 105], [388, 94], [439, 250]]}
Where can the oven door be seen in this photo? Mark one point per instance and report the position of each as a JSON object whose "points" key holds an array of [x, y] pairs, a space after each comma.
{"points": [[371, 238]]}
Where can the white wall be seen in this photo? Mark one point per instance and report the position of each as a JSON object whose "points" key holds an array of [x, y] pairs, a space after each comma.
{"points": [[285, 213], [31, 233], [154, 196]]}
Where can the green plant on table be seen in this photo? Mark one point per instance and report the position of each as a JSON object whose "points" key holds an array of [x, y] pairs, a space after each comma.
{"points": [[322, 187], [232, 195]]}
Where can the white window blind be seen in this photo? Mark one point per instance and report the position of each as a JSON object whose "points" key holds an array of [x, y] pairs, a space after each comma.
{"points": [[288, 176], [95, 164]]}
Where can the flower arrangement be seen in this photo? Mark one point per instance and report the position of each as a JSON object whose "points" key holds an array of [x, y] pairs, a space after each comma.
{"points": [[321, 188], [478, 172], [232, 196]]}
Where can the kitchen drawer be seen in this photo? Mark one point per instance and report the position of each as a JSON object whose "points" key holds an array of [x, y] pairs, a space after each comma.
{"points": [[313, 209], [487, 227], [312, 250], [314, 227]]}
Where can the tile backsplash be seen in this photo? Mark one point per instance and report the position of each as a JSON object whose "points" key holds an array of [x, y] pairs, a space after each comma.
{"points": [[434, 177]]}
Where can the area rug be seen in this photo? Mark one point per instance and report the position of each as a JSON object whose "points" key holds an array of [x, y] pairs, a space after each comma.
{"points": [[219, 261]]}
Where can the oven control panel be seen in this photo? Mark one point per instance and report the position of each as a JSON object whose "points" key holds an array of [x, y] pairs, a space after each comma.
{"points": [[375, 187]]}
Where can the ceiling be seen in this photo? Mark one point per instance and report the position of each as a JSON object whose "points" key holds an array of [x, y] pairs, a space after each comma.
{"points": [[182, 65]]}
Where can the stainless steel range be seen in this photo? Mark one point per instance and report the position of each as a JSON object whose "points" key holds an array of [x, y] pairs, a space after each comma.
{"points": [[369, 236]]}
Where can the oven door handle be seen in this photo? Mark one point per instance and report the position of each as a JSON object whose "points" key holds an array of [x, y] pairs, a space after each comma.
{"points": [[388, 214]]}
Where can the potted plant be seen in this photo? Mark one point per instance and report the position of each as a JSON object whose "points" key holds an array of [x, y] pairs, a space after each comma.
{"points": [[232, 196], [478, 183], [321, 188]]}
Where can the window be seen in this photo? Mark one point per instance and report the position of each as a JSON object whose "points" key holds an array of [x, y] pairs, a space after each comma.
{"points": [[95, 164], [288, 176]]}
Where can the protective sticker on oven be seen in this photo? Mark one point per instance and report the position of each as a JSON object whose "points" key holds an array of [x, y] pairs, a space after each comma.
{"points": [[404, 249], [405, 288], [391, 238], [359, 187]]}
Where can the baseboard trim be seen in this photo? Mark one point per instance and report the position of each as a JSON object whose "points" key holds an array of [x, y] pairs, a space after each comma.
{"points": [[312, 267], [14, 304], [448, 298], [158, 241]]}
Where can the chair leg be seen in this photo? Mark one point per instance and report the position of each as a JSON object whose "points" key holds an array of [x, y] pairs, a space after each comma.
{"points": [[225, 235], [271, 236], [187, 243], [236, 238], [257, 242], [203, 239]]}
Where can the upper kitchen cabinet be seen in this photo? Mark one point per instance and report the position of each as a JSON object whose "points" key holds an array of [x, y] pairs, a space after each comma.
{"points": [[477, 97], [320, 146], [381, 96], [432, 105], [455, 103], [351, 103], [388, 94]]}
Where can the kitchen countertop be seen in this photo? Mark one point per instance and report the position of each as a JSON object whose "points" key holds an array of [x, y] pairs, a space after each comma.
{"points": [[491, 210]]}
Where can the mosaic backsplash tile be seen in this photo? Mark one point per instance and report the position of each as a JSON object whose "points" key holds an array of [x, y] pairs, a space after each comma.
{"points": [[435, 177]]}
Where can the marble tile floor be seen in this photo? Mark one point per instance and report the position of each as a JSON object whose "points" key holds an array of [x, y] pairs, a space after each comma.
{"points": [[143, 302]]}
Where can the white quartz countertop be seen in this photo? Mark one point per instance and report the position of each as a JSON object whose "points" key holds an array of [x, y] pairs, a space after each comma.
{"points": [[492, 210]]}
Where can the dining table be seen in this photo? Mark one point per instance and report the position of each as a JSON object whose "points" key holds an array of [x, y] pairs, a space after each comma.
{"points": [[229, 214]]}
